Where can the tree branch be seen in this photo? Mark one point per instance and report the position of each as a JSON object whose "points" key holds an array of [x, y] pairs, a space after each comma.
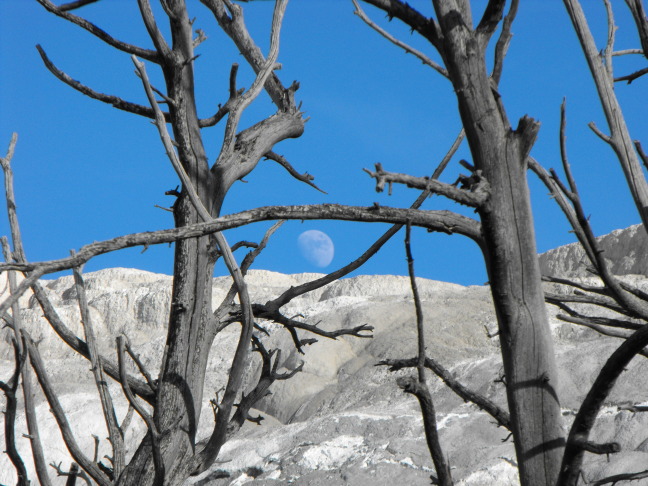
{"points": [[432, 220], [422, 393], [407, 48], [502, 45], [305, 177], [592, 403], [235, 28], [428, 28], [62, 12], [501, 416], [490, 20], [114, 433], [37, 364], [9, 389], [146, 417], [477, 193], [109, 99], [66, 7], [631, 77], [639, 15]]}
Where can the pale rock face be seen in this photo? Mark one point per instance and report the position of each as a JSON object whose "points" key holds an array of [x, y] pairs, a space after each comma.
{"points": [[342, 420], [625, 249]]}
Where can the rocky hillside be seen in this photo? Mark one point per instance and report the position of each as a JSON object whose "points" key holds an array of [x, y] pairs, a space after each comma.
{"points": [[626, 251], [342, 420]]}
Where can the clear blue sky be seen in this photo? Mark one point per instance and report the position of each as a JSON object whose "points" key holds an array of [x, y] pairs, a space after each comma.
{"points": [[85, 171]]}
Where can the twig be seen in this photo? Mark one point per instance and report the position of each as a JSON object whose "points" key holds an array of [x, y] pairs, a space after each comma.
{"points": [[11, 406], [476, 195], [87, 91], [305, 177], [72, 474], [148, 420], [631, 77], [600, 389], [147, 54], [243, 101], [501, 47], [411, 17], [422, 393], [19, 255], [75, 451], [489, 21], [641, 21], [609, 46], [114, 434], [407, 48], [66, 7], [501, 416], [621, 477]]}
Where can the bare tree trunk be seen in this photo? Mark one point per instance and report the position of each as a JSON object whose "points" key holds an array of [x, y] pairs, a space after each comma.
{"points": [[500, 154]]}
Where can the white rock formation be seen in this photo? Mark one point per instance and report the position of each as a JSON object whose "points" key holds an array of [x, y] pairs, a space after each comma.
{"points": [[342, 420], [626, 250]]}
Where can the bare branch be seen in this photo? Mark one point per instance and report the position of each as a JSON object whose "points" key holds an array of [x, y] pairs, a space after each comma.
{"points": [[501, 47], [235, 28], [642, 154], [305, 177], [422, 393], [606, 138], [595, 398], [408, 49], [72, 474], [110, 99], [639, 15], [620, 137], [609, 46], [66, 7], [156, 36], [140, 366], [428, 28], [243, 101], [602, 301], [501, 416], [11, 406], [490, 20], [91, 468], [148, 420], [625, 52], [268, 376], [432, 220], [101, 34], [621, 477], [114, 434], [264, 312], [226, 108], [631, 77], [478, 190], [420, 331]]}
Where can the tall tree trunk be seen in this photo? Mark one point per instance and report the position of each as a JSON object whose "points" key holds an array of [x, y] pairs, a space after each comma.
{"points": [[500, 154]]}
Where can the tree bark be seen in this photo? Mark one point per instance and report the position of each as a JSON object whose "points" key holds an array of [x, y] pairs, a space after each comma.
{"points": [[510, 251]]}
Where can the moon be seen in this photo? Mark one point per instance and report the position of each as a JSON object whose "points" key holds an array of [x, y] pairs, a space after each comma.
{"points": [[316, 247]]}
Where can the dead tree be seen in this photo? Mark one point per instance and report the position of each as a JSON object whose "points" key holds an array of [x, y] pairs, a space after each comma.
{"points": [[497, 189], [169, 454]]}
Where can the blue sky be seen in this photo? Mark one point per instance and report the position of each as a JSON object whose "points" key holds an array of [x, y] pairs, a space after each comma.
{"points": [[85, 171]]}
